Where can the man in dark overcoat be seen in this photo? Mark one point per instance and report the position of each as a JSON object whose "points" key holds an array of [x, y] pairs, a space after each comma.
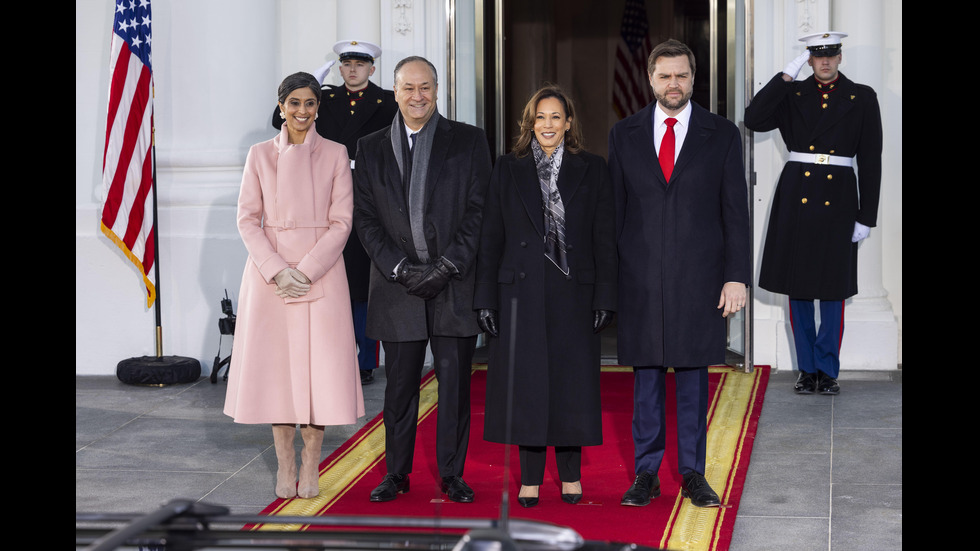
{"points": [[419, 189], [682, 227], [820, 211], [348, 113]]}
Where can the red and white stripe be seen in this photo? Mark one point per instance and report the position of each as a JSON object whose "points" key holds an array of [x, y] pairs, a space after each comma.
{"points": [[127, 168], [631, 89]]}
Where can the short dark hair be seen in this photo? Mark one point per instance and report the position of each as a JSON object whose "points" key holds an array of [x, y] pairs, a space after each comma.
{"points": [[296, 81], [670, 48], [412, 58], [573, 138]]}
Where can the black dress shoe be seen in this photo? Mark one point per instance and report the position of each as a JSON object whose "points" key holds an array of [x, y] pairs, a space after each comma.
{"points": [[571, 498], [806, 383], [390, 487], [367, 376], [696, 487], [644, 488], [527, 501], [827, 385], [456, 489]]}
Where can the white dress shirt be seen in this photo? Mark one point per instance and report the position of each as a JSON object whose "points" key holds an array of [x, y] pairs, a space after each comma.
{"points": [[680, 128]]}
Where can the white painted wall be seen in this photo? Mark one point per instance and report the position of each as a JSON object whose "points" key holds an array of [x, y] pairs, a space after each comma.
{"points": [[217, 64]]}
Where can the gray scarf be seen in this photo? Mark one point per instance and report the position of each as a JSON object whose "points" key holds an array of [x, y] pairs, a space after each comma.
{"points": [[419, 166], [554, 209]]}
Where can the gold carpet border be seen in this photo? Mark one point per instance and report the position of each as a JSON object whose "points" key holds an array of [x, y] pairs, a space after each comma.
{"points": [[357, 461], [688, 527], [696, 528]]}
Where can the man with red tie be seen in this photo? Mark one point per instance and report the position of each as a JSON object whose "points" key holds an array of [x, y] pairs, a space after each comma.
{"points": [[682, 226]]}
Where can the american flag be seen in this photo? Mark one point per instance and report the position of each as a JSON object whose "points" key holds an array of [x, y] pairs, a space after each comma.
{"points": [[631, 87], [127, 167]]}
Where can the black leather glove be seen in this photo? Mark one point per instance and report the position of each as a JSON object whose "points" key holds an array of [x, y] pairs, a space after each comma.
{"points": [[410, 274], [487, 319], [602, 319], [433, 281]]}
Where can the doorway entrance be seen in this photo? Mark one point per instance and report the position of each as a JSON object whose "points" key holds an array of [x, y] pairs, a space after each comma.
{"points": [[504, 50]]}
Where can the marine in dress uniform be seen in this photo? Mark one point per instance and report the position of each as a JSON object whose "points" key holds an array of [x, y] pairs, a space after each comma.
{"points": [[821, 209], [347, 114]]}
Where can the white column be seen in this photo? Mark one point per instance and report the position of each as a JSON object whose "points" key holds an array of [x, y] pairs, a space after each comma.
{"points": [[870, 329]]}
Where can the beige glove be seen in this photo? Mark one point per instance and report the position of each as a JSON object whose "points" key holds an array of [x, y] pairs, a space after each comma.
{"points": [[291, 282]]}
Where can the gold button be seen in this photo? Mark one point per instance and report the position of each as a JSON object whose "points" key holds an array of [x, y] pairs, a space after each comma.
{"points": [[826, 203], [825, 96], [807, 174], [831, 151], [830, 176], [352, 103], [812, 148], [804, 200], [824, 105]]}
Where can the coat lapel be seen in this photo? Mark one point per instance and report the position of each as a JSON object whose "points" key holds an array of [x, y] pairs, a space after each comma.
{"points": [[524, 177], [393, 178], [640, 131], [570, 176], [441, 142], [701, 127]]}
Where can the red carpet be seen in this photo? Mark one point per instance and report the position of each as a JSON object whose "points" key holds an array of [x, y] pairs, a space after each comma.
{"points": [[350, 473]]}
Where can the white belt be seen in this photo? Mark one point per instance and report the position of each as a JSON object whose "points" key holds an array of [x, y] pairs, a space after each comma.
{"points": [[821, 159]]}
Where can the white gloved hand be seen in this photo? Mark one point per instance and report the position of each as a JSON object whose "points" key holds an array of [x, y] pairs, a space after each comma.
{"points": [[793, 67], [860, 232], [321, 74], [292, 283]]}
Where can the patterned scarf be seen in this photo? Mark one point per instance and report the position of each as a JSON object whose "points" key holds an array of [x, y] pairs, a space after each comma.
{"points": [[554, 209]]}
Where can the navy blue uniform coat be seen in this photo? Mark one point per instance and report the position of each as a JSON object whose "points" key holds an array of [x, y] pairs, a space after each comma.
{"points": [[678, 243], [808, 252]]}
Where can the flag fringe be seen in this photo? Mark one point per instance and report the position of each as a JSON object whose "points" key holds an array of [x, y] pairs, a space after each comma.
{"points": [[150, 287]]}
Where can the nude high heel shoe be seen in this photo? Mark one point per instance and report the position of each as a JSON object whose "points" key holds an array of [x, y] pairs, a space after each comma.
{"points": [[283, 436], [309, 470]]}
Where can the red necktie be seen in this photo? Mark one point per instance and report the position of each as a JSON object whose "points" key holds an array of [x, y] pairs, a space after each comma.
{"points": [[667, 149]]}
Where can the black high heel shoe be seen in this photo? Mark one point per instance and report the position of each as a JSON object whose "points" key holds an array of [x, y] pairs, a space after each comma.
{"points": [[528, 501], [571, 499]]}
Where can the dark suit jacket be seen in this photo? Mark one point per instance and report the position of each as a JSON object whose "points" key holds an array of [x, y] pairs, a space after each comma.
{"points": [[375, 110], [678, 243], [459, 169]]}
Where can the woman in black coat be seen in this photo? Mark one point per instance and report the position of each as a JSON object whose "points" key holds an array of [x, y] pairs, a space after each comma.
{"points": [[548, 241]]}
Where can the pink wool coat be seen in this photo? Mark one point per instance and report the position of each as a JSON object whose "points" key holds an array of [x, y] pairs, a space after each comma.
{"points": [[293, 359]]}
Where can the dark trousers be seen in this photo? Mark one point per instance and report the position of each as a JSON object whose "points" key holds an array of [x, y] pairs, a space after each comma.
{"points": [[453, 362], [817, 351], [650, 420], [568, 458], [367, 348]]}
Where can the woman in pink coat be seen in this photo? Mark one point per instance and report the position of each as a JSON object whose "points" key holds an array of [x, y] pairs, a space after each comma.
{"points": [[293, 360]]}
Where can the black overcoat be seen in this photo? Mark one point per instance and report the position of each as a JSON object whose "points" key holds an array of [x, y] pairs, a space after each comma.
{"points": [[678, 243], [375, 111], [456, 184], [556, 369], [808, 252]]}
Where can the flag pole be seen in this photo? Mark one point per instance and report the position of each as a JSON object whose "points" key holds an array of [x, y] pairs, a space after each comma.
{"points": [[157, 370], [156, 238]]}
